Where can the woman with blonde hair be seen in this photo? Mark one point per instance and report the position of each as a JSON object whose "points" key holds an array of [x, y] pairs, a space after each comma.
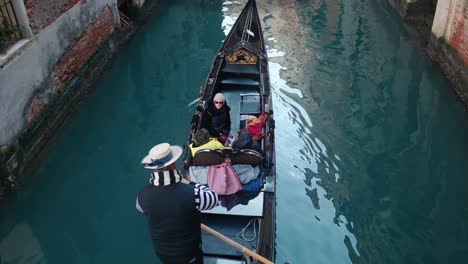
{"points": [[217, 119]]}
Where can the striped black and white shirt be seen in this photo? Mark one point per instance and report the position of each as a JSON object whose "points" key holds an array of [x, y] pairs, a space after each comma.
{"points": [[205, 199]]}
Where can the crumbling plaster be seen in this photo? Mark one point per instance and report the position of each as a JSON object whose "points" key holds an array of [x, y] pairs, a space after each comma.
{"points": [[29, 71]]}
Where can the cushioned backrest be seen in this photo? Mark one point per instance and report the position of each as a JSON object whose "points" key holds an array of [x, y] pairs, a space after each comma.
{"points": [[247, 156], [207, 157]]}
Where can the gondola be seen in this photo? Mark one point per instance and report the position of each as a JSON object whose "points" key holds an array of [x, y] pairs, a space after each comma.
{"points": [[240, 72]]}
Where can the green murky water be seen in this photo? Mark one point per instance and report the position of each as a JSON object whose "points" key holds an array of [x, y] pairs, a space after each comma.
{"points": [[371, 144]]}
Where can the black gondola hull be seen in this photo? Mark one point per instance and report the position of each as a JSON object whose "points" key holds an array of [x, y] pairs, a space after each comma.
{"points": [[240, 72]]}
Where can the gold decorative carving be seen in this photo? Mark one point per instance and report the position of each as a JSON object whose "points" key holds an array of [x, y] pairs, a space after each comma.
{"points": [[241, 56]]}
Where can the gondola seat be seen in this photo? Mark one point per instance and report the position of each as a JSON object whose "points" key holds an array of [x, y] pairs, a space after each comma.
{"points": [[241, 69], [240, 81], [249, 104], [208, 157], [247, 156]]}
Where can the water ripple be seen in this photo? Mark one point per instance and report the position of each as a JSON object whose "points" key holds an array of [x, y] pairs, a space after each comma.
{"points": [[302, 159]]}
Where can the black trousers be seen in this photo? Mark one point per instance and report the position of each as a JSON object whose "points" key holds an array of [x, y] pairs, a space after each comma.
{"points": [[196, 258]]}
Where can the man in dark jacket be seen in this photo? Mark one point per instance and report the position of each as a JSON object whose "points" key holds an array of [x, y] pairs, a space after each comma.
{"points": [[217, 118], [172, 207], [245, 141]]}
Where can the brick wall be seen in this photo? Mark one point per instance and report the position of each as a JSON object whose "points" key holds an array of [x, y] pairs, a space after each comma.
{"points": [[82, 49], [19, 155], [448, 44], [459, 38], [42, 13]]}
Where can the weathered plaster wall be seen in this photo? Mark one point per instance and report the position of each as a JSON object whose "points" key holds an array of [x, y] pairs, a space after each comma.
{"points": [[448, 44], [21, 156], [29, 73], [83, 48], [459, 38], [451, 25], [74, 58], [42, 13]]}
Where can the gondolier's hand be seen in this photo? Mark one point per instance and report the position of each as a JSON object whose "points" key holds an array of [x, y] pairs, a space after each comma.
{"points": [[185, 180]]}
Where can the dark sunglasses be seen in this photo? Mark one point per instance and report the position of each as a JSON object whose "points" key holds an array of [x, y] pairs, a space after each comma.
{"points": [[219, 102]]}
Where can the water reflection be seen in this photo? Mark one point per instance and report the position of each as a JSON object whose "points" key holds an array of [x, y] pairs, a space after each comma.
{"points": [[302, 161], [367, 128], [300, 167]]}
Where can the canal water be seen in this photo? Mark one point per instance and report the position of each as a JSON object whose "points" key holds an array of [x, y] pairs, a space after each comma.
{"points": [[372, 147]]}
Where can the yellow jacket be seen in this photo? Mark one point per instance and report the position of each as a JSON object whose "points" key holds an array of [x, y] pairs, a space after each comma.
{"points": [[212, 144]]}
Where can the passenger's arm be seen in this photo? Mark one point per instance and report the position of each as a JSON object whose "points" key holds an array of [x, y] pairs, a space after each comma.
{"points": [[205, 198], [206, 120]]}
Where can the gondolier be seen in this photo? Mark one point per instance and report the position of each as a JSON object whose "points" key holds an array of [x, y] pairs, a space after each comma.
{"points": [[172, 207]]}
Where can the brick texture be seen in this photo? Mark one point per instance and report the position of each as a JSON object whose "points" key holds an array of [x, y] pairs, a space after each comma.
{"points": [[38, 104], [82, 49], [42, 13], [459, 38]]}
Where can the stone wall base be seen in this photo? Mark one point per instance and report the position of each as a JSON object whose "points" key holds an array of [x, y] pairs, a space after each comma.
{"points": [[19, 158], [413, 10], [451, 65], [421, 15]]}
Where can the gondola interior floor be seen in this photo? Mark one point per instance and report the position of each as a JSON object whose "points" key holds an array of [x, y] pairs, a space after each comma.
{"points": [[232, 228], [208, 260], [242, 204]]}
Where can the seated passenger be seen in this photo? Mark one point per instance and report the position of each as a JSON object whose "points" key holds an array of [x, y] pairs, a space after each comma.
{"points": [[201, 140], [245, 141], [217, 118]]}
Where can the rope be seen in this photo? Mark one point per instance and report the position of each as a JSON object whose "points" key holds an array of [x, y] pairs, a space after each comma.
{"points": [[247, 258], [241, 234]]}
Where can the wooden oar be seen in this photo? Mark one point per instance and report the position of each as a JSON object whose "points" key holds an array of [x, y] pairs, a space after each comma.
{"points": [[236, 245]]}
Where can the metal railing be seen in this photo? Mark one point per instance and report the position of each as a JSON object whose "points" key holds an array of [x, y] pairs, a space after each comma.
{"points": [[10, 30]]}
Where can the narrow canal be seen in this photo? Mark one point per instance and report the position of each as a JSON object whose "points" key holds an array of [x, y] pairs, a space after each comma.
{"points": [[371, 143]]}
